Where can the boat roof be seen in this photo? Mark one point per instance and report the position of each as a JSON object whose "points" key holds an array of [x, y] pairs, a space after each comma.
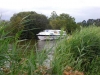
{"points": [[51, 30]]}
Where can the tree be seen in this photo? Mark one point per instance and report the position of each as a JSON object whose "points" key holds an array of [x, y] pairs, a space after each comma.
{"points": [[53, 15], [84, 23], [30, 22], [95, 22], [64, 21]]}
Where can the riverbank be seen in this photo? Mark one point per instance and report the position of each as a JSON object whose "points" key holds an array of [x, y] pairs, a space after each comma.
{"points": [[79, 53]]}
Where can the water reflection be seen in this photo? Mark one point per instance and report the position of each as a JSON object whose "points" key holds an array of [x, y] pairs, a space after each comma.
{"points": [[26, 46], [37, 44], [45, 44]]}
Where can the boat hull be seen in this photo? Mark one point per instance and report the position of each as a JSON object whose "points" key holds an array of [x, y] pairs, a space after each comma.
{"points": [[48, 37]]}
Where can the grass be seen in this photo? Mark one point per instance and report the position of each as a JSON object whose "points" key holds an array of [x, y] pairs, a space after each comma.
{"points": [[81, 52], [14, 60]]}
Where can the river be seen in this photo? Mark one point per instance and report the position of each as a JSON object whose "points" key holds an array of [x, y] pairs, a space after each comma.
{"points": [[42, 45], [38, 44]]}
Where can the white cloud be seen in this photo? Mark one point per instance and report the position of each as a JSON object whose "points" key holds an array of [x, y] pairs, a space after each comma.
{"points": [[76, 8]]}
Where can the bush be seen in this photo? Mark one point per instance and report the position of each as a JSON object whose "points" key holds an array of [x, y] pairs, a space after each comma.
{"points": [[16, 59], [85, 46], [81, 51]]}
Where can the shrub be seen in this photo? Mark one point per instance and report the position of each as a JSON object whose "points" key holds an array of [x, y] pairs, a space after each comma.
{"points": [[81, 51], [85, 46]]}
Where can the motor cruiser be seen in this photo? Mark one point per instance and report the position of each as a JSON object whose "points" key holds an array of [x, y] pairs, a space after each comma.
{"points": [[51, 34]]}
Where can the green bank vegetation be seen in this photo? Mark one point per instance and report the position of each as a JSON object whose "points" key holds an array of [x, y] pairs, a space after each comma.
{"points": [[81, 51], [14, 60]]}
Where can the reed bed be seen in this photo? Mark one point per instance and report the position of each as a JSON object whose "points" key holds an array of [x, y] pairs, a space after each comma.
{"points": [[81, 51], [77, 55]]}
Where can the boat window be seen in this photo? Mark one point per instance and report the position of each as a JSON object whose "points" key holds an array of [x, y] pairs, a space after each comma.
{"points": [[55, 31]]}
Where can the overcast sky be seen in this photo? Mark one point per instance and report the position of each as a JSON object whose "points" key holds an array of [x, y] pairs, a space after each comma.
{"points": [[79, 9]]}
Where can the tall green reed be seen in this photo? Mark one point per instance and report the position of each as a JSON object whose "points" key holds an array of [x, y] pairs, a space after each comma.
{"points": [[16, 60], [81, 51]]}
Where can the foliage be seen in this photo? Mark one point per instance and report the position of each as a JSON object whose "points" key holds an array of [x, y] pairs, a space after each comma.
{"points": [[89, 22], [29, 22], [14, 60], [85, 46], [63, 21], [53, 15], [81, 52], [6, 27]]}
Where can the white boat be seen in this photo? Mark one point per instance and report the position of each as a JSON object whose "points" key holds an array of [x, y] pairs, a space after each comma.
{"points": [[51, 34]]}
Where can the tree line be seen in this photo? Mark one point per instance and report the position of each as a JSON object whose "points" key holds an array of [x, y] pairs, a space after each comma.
{"points": [[89, 22], [30, 23]]}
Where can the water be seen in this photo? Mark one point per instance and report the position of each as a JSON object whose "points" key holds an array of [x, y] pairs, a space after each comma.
{"points": [[45, 44], [42, 45]]}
